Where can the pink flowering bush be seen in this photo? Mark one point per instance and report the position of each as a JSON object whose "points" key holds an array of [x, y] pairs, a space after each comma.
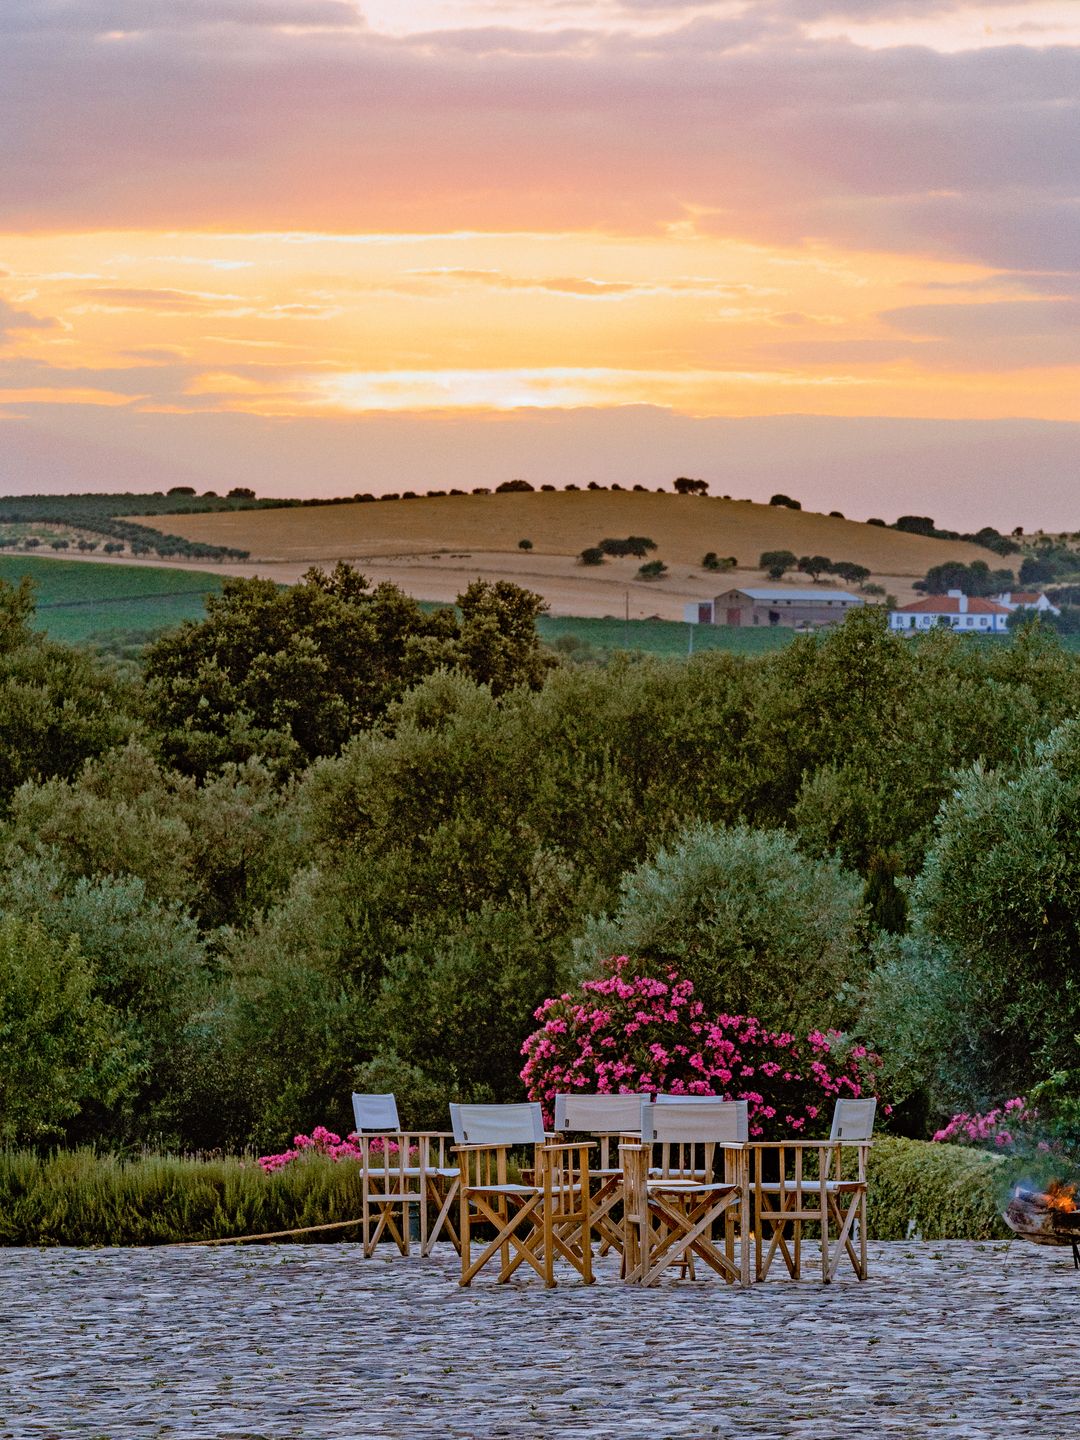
{"points": [[626, 1032], [324, 1142], [1008, 1127]]}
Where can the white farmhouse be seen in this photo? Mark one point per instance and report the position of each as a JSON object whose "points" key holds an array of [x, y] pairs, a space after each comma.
{"points": [[1026, 600], [968, 613]]}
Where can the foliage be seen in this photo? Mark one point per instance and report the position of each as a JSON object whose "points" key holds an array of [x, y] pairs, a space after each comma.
{"points": [[148, 965], [60, 1046], [712, 561], [974, 579], [1006, 1127], [757, 927], [815, 565], [57, 707], [933, 1192], [776, 562], [685, 486], [633, 1032], [636, 545], [652, 570], [786, 502], [592, 555], [1000, 893], [291, 674], [77, 1197]]}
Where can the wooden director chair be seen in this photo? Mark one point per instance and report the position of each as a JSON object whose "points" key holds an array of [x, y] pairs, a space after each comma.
{"points": [[416, 1172], [543, 1214], [606, 1118], [672, 1210], [819, 1182]]}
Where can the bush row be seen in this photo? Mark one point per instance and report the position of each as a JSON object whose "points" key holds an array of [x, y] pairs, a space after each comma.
{"points": [[76, 1197]]}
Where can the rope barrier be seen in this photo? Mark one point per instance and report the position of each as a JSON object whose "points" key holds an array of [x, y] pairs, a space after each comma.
{"points": [[268, 1235]]}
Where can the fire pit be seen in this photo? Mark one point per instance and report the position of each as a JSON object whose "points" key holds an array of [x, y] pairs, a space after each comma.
{"points": [[1048, 1217]]}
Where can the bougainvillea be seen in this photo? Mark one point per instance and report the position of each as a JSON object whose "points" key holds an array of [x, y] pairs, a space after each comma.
{"points": [[1007, 1127], [324, 1142], [625, 1032]]}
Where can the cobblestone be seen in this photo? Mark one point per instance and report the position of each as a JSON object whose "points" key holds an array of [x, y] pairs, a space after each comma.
{"points": [[955, 1340]]}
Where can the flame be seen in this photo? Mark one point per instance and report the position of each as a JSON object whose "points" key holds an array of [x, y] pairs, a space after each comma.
{"points": [[1060, 1196]]}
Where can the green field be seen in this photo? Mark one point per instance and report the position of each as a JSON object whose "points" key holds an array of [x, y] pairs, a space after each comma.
{"points": [[79, 600], [656, 637]]}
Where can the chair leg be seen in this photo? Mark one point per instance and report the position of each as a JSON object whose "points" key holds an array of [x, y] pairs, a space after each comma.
{"points": [[465, 1236]]}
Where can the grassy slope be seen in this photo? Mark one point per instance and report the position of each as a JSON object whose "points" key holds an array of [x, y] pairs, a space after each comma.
{"points": [[561, 523], [77, 599]]}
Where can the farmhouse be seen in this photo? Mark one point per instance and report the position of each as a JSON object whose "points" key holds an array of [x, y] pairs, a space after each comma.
{"points": [[779, 606], [1026, 600], [970, 613]]}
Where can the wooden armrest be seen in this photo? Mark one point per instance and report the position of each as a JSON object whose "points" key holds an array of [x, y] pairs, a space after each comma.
{"points": [[570, 1145]]}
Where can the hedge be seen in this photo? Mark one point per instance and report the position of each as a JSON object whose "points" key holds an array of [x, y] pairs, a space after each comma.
{"points": [[938, 1192], [80, 1198]]}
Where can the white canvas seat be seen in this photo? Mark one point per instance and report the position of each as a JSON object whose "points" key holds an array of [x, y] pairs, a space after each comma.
{"points": [[543, 1216], [607, 1118], [406, 1169], [815, 1182], [672, 1209]]}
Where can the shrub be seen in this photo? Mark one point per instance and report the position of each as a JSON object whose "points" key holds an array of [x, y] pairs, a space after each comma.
{"points": [[652, 570], [776, 562], [786, 501], [525, 544], [627, 1031], [758, 927], [934, 1192], [60, 1046], [592, 555]]}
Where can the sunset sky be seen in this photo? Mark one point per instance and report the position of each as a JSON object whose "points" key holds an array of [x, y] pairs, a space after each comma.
{"points": [[316, 237]]}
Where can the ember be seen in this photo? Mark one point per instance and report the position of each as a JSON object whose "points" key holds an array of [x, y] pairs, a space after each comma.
{"points": [[1061, 1197]]}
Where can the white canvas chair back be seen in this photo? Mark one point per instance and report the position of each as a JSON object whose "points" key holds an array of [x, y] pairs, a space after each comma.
{"points": [[689, 1121], [670, 1099], [599, 1114], [497, 1124], [853, 1120], [375, 1113]]}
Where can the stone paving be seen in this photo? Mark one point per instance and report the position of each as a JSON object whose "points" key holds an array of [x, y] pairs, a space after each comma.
{"points": [[315, 1343]]}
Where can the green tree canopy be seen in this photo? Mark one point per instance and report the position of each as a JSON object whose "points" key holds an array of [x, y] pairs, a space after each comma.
{"points": [[758, 927]]}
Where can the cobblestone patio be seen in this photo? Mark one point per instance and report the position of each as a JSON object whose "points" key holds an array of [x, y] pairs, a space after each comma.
{"points": [[314, 1343]]}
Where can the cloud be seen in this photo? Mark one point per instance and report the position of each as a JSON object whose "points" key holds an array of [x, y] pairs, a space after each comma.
{"points": [[738, 125], [13, 321]]}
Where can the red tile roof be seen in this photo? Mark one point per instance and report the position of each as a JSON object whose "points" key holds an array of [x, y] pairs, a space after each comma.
{"points": [[950, 605], [1026, 597]]}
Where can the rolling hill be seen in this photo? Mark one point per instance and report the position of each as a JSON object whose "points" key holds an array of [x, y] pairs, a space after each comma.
{"points": [[432, 547]]}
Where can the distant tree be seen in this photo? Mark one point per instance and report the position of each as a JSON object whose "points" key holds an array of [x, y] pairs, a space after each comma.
{"points": [[1035, 570], [513, 486], [390, 495], [712, 561], [836, 514], [849, 571], [457, 492], [181, 490], [525, 545], [31, 542], [571, 487], [880, 523], [58, 544], [637, 545], [684, 485], [291, 674], [241, 492], [593, 555], [547, 487], [481, 490], [776, 562], [916, 525], [974, 579], [652, 570], [209, 495], [409, 495], [113, 547], [592, 485], [614, 486], [815, 565], [786, 501]]}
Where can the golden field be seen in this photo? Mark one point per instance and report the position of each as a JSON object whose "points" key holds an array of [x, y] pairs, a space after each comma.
{"points": [[433, 547]]}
